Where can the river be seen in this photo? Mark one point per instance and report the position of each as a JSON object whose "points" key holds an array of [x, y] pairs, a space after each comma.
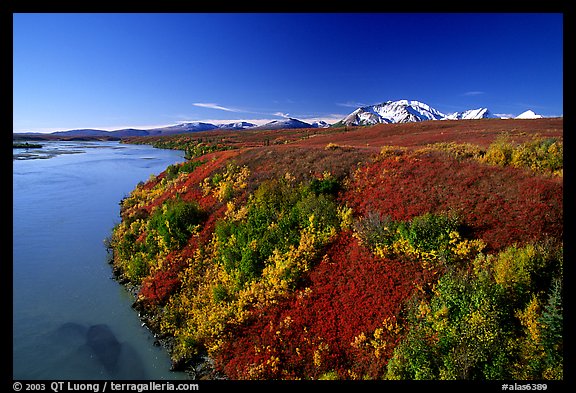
{"points": [[71, 320]]}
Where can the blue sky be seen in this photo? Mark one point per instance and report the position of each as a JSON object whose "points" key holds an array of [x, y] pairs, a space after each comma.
{"points": [[111, 71]]}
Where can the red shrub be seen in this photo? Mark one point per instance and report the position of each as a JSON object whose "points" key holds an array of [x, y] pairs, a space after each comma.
{"points": [[350, 292], [500, 205], [156, 289]]}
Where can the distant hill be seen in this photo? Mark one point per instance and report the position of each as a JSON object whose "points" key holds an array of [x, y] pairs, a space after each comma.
{"points": [[82, 132], [284, 124], [182, 128]]}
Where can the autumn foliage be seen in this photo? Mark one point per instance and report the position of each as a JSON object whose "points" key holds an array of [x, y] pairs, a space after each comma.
{"points": [[315, 256], [329, 325], [500, 205]]}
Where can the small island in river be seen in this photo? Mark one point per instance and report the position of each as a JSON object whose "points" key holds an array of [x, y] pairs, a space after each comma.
{"points": [[26, 145]]}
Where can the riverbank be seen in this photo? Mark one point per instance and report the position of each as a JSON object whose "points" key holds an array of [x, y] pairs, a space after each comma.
{"points": [[200, 367]]}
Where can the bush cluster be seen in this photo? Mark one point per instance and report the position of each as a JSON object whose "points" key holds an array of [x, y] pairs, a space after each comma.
{"points": [[141, 244], [432, 238], [259, 253], [193, 147], [175, 221], [174, 170], [543, 155], [274, 219], [480, 325]]}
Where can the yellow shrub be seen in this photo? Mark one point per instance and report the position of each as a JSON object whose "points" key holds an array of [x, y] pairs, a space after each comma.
{"points": [[375, 343], [529, 319]]}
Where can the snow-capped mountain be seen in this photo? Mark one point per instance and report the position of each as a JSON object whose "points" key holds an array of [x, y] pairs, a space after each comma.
{"points": [[195, 126], [481, 113], [284, 123], [291, 123], [404, 111], [240, 125], [320, 124], [529, 114]]}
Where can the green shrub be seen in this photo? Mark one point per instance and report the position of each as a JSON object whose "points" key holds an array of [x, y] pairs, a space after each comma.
{"points": [[500, 319], [551, 322], [429, 232], [175, 221], [328, 185], [528, 269], [137, 268], [414, 358], [460, 334], [220, 293], [429, 237], [172, 171], [194, 149], [375, 230], [277, 213]]}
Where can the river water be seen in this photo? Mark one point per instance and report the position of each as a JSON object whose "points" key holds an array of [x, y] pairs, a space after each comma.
{"points": [[71, 320]]}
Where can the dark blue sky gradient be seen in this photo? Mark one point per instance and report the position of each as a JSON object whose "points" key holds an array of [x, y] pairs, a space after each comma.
{"points": [[138, 70]]}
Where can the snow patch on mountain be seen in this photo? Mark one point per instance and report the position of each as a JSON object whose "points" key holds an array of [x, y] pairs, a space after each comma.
{"points": [[194, 126], [529, 114], [320, 124], [471, 114], [284, 123], [240, 125]]}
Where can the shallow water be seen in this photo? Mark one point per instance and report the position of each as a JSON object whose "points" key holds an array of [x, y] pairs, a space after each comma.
{"points": [[71, 320]]}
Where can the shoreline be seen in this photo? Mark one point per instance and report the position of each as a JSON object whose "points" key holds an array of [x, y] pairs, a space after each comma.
{"points": [[201, 367]]}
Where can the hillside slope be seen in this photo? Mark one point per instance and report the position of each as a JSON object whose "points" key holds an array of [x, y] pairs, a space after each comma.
{"points": [[417, 251]]}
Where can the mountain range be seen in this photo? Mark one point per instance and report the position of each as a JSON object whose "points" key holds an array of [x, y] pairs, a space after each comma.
{"points": [[400, 111], [404, 111]]}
